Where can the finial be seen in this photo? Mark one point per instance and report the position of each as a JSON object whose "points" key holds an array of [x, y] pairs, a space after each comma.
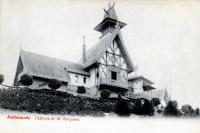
{"points": [[113, 3], [109, 4]]}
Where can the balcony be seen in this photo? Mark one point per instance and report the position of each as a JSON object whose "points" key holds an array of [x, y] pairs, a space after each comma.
{"points": [[117, 84]]}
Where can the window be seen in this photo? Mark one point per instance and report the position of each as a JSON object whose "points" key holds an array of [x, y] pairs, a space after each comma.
{"points": [[76, 78], [113, 75], [97, 74], [84, 80]]}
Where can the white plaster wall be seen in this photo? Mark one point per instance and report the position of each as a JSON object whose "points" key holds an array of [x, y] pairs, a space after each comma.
{"points": [[80, 80], [137, 86], [92, 77], [36, 85]]}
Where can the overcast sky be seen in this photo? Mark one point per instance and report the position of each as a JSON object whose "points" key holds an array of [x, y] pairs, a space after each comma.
{"points": [[162, 38]]}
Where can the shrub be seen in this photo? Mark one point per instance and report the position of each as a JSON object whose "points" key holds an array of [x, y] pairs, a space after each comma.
{"points": [[54, 84], [187, 109], [105, 94], [171, 109], [142, 107], [155, 101], [26, 80], [1, 78], [122, 108], [81, 90], [197, 112]]}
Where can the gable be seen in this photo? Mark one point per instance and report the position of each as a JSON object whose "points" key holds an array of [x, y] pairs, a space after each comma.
{"points": [[113, 56], [18, 70], [95, 53]]}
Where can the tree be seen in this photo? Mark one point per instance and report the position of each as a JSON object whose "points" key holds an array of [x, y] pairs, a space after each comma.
{"points": [[105, 94], [81, 90], [122, 107], [1, 78], [26, 80], [54, 84], [187, 109], [171, 109], [143, 107], [155, 101], [197, 112]]}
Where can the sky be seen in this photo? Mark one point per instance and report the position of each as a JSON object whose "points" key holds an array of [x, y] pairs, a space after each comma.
{"points": [[162, 37]]}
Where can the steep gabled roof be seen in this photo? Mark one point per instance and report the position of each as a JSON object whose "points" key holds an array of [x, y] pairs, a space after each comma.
{"points": [[97, 51], [49, 68]]}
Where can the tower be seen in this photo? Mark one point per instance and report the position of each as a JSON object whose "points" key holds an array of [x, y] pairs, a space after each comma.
{"points": [[109, 21]]}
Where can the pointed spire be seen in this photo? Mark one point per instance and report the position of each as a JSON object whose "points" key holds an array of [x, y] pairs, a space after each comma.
{"points": [[84, 51], [20, 47], [109, 4]]}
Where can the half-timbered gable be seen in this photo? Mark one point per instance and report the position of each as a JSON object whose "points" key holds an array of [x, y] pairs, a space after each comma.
{"points": [[112, 62]]}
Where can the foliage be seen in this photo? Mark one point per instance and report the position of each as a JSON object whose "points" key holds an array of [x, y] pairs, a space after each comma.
{"points": [[187, 110], [142, 107], [155, 101], [1, 78], [26, 80], [171, 109], [105, 94], [197, 112], [54, 84], [49, 101], [122, 107], [81, 90]]}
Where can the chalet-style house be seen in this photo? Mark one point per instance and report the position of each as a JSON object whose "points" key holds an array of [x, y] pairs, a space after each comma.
{"points": [[106, 65]]}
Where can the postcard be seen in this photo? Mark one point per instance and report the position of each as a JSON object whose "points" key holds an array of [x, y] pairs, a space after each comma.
{"points": [[99, 66]]}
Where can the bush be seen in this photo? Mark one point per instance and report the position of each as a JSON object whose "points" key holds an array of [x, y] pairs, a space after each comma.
{"points": [[26, 80], [171, 109], [155, 101], [1, 78], [142, 107], [122, 108], [81, 90], [54, 84], [197, 112], [187, 109], [105, 94]]}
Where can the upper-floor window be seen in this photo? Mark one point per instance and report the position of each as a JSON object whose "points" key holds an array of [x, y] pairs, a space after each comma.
{"points": [[76, 78], [84, 80], [113, 75]]}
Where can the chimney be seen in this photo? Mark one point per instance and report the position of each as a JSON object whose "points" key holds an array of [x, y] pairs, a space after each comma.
{"points": [[84, 51]]}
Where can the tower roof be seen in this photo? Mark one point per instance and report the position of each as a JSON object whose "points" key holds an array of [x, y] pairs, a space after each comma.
{"points": [[110, 19]]}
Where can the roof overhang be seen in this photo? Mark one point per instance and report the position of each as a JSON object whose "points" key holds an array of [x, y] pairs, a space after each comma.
{"points": [[106, 21], [140, 77]]}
